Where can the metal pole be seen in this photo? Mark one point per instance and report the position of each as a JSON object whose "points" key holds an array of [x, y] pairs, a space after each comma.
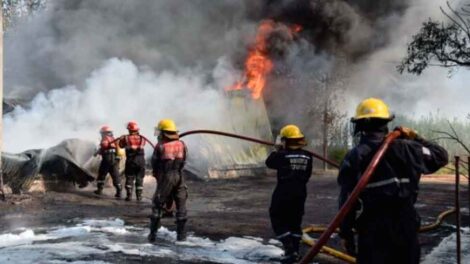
{"points": [[457, 205], [468, 189], [325, 124], [325, 134], [2, 191]]}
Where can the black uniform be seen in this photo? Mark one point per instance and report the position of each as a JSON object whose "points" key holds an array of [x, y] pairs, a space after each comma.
{"points": [[385, 218], [294, 168], [167, 162]]}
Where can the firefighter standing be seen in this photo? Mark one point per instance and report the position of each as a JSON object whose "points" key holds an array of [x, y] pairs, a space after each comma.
{"points": [[109, 163], [294, 168], [168, 161], [385, 218], [134, 170]]}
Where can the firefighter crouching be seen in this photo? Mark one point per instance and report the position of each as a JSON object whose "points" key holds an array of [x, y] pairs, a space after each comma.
{"points": [[109, 162], [167, 162], [294, 168], [385, 219], [134, 170]]}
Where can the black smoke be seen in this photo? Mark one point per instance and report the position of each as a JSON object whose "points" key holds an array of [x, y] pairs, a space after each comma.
{"points": [[351, 27]]}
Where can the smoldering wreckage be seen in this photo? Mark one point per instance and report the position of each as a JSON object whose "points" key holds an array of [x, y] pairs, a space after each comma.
{"points": [[286, 31]]}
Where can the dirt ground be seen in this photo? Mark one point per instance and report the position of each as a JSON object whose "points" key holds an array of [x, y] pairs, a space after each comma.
{"points": [[219, 208]]}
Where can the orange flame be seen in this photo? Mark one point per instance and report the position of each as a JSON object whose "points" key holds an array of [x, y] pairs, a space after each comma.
{"points": [[258, 65]]}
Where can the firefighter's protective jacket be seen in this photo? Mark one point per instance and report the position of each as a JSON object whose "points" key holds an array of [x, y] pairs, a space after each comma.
{"points": [[386, 206], [294, 168]]}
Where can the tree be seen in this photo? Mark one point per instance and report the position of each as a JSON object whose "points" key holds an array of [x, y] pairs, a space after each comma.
{"points": [[324, 114], [454, 136], [15, 9], [438, 44]]}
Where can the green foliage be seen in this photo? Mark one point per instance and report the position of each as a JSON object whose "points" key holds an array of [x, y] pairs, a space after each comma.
{"points": [[428, 127], [337, 153], [13, 10], [449, 169]]}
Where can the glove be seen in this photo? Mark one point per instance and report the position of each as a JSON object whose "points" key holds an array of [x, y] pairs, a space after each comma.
{"points": [[278, 147], [407, 133]]}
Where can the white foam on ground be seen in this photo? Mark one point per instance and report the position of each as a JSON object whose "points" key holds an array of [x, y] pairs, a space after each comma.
{"points": [[91, 238], [45, 252], [445, 252], [103, 223], [78, 262], [25, 237], [70, 232]]}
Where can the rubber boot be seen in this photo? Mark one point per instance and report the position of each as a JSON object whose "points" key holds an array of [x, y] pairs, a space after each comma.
{"points": [[118, 194], [138, 195], [180, 230], [128, 194], [289, 252], [154, 226], [99, 191], [296, 247]]}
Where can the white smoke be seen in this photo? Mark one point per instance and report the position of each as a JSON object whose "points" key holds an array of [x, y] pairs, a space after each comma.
{"points": [[408, 94], [113, 94], [175, 59], [88, 63], [62, 44], [83, 64]]}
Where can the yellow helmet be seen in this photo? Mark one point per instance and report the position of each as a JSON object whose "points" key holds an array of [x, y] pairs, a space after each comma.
{"points": [[292, 132], [372, 108], [167, 125]]}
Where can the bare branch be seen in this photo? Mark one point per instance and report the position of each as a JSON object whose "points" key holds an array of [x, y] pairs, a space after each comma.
{"points": [[443, 133], [463, 27], [459, 16], [441, 138], [454, 137]]}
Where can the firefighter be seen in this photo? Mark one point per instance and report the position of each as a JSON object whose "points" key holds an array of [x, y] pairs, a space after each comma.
{"points": [[134, 170], [109, 163], [294, 168], [385, 218], [168, 161]]}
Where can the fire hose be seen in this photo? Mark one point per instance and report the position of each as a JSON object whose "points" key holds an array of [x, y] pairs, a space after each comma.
{"points": [[328, 250], [350, 259], [143, 137], [350, 202], [220, 133], [425, 228], [327, 231]]}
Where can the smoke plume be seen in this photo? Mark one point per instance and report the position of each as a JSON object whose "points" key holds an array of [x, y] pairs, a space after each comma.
{"points": [[84, 63]]}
